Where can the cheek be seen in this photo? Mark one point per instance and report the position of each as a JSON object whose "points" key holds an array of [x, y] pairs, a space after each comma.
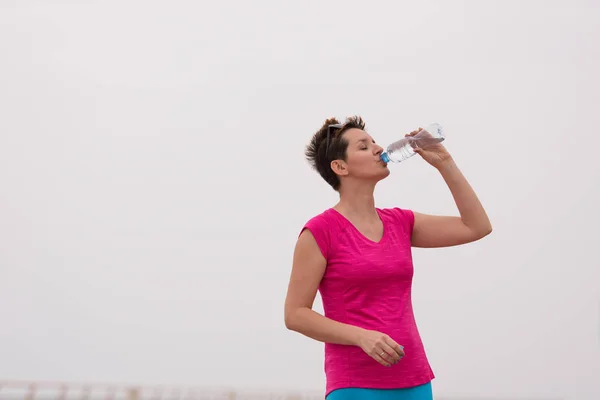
{"points": [[358, 162]]}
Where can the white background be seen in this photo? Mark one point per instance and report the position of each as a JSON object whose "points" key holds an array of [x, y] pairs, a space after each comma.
{"points": [[152, 184]]}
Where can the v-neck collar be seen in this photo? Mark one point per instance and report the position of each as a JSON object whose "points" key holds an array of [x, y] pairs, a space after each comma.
{"points": [[357, 231]]}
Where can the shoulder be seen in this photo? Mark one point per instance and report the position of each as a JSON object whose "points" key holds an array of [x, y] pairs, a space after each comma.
{"points": [[399, 216], [322, 227], [322, 221]]}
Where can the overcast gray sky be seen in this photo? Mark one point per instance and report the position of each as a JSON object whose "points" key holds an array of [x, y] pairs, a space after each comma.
{"points": [[152, 184]]}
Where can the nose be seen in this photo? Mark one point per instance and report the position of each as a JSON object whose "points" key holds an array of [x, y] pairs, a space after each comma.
{"points": [[378, 150]]}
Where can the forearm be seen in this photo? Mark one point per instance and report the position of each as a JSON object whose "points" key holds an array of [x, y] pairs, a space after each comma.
{"points": [[321, 328], [471, 210]]}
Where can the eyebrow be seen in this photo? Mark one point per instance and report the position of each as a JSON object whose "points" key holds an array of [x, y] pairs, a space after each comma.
{"points": [[366, 140]]}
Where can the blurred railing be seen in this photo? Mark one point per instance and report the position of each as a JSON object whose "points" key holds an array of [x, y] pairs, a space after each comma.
{"points": [[38, 390], [32, 390]]}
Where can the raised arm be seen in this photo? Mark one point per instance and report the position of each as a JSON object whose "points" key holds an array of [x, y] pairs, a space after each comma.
{"points": [[443, 231]]}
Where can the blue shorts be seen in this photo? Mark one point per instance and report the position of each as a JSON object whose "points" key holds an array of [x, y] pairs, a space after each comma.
{"points": [[421, 392]]}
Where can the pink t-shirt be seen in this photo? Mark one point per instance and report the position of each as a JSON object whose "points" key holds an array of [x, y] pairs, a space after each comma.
{"points": [[368, 284]]}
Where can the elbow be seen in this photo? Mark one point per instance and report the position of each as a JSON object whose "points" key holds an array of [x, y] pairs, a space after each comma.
{"points": [[289, 320], [479, 233], [489, 228], [288, 323], [485, 231], [294, 319]]}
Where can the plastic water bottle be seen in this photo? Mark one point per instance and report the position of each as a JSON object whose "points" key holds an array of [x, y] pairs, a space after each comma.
{"points": [[404, 148]]}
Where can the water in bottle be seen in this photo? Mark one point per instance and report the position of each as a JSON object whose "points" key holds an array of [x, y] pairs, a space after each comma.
{"points": [[404, 148]]}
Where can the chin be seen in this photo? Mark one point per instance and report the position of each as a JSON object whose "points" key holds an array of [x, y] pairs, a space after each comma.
{"points": [[384, 174]]}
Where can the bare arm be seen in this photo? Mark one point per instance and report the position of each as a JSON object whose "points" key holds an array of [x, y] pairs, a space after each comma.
{"points": [[307, 270], [442, 231]]}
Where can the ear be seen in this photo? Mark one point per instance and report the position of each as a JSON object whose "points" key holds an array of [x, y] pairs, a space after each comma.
{"points": [[339, 167]]}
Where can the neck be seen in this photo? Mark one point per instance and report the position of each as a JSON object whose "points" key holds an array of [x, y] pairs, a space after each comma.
{"points": [[357, 201]]}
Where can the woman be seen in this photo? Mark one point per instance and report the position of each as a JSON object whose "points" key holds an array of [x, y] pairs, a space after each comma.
{"points": [[359, 258]]}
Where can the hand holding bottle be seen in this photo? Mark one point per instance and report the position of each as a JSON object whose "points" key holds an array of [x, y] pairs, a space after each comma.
{"points": [[430, 148], [425, 142]]}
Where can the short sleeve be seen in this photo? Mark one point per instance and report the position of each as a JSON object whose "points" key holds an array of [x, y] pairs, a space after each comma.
{"points": [[319, 228], [406, 218]]}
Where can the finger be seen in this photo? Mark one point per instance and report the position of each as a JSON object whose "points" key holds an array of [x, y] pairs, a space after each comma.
{"points": [[387, 355], [391, 355], [413, 133], [400, 350], [380, 359], [395, 348]]}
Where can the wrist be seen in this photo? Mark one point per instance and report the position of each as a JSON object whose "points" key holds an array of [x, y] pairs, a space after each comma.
{"points": [[446, 165], [357, 335]]}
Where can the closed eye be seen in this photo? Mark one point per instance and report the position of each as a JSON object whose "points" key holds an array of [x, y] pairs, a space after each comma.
{"points": [[363, 144]]}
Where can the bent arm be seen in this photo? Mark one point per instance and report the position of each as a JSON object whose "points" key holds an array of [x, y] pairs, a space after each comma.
{"points": [[443, 231], [307, 270]]}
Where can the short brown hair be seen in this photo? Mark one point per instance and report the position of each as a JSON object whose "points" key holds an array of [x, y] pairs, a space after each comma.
{"points": [[320, 154]]}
